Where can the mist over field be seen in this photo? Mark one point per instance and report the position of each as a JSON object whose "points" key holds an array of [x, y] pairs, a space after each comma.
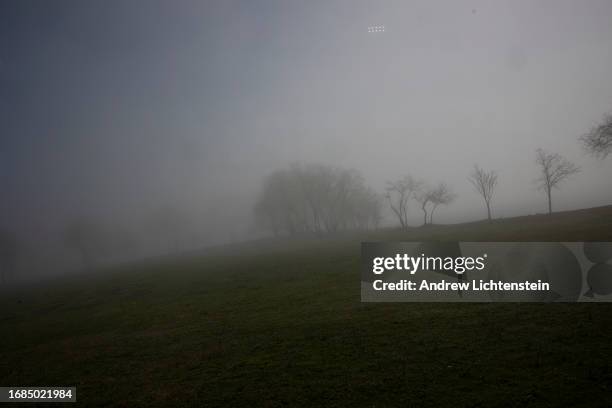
{"points": [[156, 123], [215, 203]]}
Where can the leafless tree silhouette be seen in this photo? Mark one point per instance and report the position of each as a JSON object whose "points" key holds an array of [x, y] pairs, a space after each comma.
{"points": [[316, 199], [484, 182], [441, 195], [399, 193], [423, 198], [598, 141], [555, 168]]}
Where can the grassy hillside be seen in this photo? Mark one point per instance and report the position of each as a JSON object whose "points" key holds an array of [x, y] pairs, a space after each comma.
{"points": [[279, 322]]}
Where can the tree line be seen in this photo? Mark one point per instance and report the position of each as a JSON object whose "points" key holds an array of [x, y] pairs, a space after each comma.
{"points": [[553, 169], [316, 199], [322, 199], [399, 193]]}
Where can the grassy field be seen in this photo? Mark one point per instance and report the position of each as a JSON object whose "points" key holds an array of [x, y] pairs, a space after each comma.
{"points": [[280, 323]]}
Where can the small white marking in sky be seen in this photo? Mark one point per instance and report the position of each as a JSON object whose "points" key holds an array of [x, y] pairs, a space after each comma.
{"points": [[376, 29]]}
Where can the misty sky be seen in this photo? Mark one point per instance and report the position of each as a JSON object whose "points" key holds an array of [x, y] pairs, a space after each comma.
{"points": [[116, 109]]}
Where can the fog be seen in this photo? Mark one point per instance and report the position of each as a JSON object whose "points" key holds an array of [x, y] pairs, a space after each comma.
{"points": [[131, 112]]}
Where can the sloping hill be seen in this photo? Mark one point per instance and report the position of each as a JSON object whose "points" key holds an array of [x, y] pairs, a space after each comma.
{"points": [[279, 322]]}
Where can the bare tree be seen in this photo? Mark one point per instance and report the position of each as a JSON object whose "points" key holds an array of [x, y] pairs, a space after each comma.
{"points": [[484, 182], [424, 198], [441, 195], [598, 141], [316, 199], [555, 168], [399, 193], [365, 209]]}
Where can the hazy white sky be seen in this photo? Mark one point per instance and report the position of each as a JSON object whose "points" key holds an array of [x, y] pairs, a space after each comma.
{"points": [[115, 109]]}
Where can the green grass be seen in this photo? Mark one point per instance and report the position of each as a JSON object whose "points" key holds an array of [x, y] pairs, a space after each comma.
{"points": [[277, 323]]}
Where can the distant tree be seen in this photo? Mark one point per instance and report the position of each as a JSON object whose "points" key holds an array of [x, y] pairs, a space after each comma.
{"points": [[399, 193], [273, 210], [554, 169], [316, 199], [484, 183], [423, 198], [598, 141], [341, 214], [366, 209], [441, 195], [87, 239], [9, 248]]}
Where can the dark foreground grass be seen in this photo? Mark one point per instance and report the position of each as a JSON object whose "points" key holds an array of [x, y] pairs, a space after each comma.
{"points": [[270, 324]]}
